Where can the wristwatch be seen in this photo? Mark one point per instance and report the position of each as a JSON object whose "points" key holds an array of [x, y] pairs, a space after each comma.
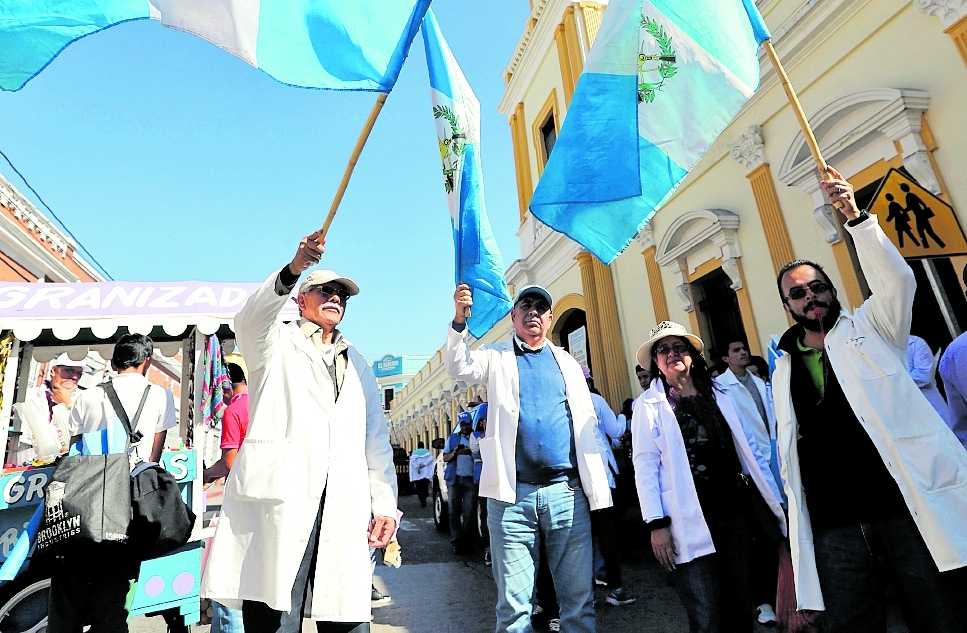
{"points": [[863, 216]]}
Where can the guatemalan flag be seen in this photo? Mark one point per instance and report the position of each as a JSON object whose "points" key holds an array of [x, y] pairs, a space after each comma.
{"points": [[329, 44], [457, 114], [661, 82]]}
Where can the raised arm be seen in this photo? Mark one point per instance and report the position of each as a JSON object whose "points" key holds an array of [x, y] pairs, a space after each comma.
{"points": [[890, 308], [463, 364], [255, 323]]}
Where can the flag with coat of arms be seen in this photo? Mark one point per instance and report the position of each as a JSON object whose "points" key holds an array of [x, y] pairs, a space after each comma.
{"points": [[662, 81], [457, 115]]}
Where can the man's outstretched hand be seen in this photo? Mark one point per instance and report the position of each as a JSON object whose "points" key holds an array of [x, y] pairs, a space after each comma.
{"points": [[308, 254]]}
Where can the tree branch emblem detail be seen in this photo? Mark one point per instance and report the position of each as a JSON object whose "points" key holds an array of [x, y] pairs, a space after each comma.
{"points": [[666, 68], [452, 145]]}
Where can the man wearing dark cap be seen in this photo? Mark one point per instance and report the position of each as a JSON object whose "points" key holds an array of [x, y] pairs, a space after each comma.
{"points": [[543, 464], [458, 474], [293, 538]]}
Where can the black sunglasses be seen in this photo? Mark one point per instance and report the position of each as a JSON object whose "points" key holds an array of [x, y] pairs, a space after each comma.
{"points": [[526, 304], [328, 291], [679, 348], [817, 287]]}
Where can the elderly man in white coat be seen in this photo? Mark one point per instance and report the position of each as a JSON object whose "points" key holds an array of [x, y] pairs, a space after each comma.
{"points": [[543, 464], [871, 470], [294, 535]]}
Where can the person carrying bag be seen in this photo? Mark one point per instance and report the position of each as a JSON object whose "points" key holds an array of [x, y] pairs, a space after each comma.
{"points": [[107, 526]]}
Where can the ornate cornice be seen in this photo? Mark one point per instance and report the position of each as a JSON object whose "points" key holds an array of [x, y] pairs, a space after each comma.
{"points": [[749, 148], [949, 11]]}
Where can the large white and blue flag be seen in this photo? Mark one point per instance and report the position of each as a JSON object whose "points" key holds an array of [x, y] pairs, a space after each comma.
{"points": [[457, 114], [662, 81], [328, 44]]}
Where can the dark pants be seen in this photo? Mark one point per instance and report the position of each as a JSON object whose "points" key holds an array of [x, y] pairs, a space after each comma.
{"points": [[763, 565], [546, 595], [461, 497], [603, 529], [715, 588], [481, 504], [853, 564], [258, 617], [422, 490], [87, 595]]}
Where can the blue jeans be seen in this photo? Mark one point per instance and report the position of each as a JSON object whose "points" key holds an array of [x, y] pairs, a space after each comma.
{"points": [[460, 498], [559, 515], [225, 620], [854, 564]]}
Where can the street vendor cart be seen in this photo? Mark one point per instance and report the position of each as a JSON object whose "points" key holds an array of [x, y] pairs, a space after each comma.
{"points": [[41, 320]]}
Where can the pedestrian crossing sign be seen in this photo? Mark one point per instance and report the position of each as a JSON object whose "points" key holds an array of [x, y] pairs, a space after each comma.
{"points": [[918, 223]]}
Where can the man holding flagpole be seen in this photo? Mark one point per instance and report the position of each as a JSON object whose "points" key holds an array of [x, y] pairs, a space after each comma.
{"points": [[544, 465], [875, 479]]}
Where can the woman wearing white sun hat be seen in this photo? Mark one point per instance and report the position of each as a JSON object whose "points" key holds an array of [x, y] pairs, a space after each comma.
{"points": [[693, 465]]}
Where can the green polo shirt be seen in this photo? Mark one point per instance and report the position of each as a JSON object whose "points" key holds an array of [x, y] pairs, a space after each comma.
{"points": [[813, 359]]}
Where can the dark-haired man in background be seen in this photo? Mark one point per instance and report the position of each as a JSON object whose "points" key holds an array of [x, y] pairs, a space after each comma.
{"points": [[871, 470], [234, 423], [81, 594]]}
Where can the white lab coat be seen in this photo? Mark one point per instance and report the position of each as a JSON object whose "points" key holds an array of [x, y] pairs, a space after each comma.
{"points": [[664, 478], [496, 366], [868, 353], [749, 413], [300, 442], [608, 428], [421, 464]]}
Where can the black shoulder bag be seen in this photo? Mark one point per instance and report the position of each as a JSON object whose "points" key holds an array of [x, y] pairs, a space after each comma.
{"points": [[87, 509], [160, 520]]}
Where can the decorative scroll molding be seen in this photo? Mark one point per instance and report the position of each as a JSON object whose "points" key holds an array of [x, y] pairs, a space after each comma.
{"points": [[646, 237], [949, 11], [749, 148]]}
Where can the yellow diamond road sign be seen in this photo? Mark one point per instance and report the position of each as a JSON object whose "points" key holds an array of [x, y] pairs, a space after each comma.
{"points": [[919, 223]]}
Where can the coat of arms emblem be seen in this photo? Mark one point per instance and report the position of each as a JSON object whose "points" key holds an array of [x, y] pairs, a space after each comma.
{"points": [[452, 145], [648, 88]]}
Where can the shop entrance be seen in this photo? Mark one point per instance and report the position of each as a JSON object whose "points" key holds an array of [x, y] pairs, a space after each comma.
{"points": [[717, 309]]}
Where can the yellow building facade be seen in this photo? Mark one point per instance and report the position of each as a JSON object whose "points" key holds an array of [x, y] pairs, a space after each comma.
{"points": [[884, 84]]}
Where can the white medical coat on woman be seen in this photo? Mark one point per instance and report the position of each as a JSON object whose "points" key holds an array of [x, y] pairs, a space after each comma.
{"points": [[868, 352], [496, 366], [301, 441], [664, 477]]}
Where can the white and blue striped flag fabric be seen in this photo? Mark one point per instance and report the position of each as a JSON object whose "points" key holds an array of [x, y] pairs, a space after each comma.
{"points": [[328, 44], [457, 114], [662, 81]]}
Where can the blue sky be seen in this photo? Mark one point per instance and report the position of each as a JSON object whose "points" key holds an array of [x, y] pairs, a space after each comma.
{"points": [[170, 159]]}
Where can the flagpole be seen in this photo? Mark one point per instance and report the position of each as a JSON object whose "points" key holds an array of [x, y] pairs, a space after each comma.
{"points": [[353, 159], [800, 114]]}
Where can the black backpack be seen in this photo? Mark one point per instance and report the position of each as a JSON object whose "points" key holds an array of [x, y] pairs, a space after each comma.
{"points": [[160, 520]]}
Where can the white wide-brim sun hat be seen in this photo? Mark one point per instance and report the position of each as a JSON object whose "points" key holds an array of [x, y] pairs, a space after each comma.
{"points": [[663, 330]]}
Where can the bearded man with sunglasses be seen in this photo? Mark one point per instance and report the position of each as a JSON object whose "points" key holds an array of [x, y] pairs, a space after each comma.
{"points": [[875, 479], [294, 534], [543, 463]]}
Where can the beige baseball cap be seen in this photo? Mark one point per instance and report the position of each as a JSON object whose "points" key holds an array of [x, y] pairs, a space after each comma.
{"points": [[321, 277]]}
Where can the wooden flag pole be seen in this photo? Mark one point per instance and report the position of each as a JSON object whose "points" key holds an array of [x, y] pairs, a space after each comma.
{"points": [[800, 114], [353, 159]]}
